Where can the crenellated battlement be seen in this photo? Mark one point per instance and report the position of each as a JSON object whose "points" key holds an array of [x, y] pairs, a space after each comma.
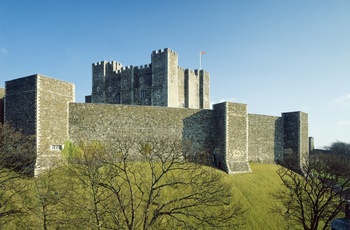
{"points": [[127, 67], [144, 66], [118, 67], [195, 71], [104, 68], [165, 50], [190, 71], [99, 63], [201, 71], [110, 63], [160, 83]]}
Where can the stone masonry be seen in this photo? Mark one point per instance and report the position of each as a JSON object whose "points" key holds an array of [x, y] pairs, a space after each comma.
{"points": [[39, 105], [155, 101], [2, 114], [160, 83]]}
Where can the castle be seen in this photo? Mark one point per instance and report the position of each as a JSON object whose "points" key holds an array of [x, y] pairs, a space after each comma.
{"points": [[152, 101], [161, 83]]}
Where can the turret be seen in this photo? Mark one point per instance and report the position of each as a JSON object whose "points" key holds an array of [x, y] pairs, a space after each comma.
{"points": [[204, 90], [100, 71], [165, 78]]}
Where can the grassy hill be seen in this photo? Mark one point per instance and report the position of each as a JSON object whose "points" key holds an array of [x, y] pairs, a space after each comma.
{"points": [[254, 191]]}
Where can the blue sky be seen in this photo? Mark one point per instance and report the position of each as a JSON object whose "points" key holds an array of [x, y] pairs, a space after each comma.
{"points": [[275, 56]]}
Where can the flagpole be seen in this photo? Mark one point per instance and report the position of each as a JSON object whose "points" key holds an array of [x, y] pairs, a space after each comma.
{"points": [[200, 59]]}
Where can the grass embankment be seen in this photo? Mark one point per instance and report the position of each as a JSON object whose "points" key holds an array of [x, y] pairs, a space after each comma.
{"points": [[254, 191]]}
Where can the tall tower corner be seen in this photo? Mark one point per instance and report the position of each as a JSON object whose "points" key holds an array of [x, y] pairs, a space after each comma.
{"points": [[296, 140], [165, 78]]}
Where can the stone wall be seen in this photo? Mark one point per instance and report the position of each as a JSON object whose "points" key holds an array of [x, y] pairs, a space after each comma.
{"points": [[106, 123], [296, 141], [2, 108], [20, 103], [266, 138], [45, 107], [53, 97], [229, 132]]}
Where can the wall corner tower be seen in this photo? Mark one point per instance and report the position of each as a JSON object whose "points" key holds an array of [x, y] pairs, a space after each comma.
{"points": [[39, 106], [231, 152], [296, 139]]}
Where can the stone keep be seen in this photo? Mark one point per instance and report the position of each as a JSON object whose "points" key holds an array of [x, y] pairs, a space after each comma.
{"points": [[160, 83], [175, 104]]}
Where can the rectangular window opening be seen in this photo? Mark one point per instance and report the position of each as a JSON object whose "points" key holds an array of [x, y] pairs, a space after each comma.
{"points": [[117, 98], [143, 94], [56, 147]]}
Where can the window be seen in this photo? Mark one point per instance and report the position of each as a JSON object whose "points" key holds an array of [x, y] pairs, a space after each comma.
{"points": [[143, 93], [117, 98], [56, 147]]}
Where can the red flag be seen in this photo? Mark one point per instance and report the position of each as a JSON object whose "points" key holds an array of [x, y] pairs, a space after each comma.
{"points": [[203, 52]]}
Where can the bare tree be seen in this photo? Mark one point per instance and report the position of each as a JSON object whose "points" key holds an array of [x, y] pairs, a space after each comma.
{"points": [[151, 185], [48, 200], [340, 148], [16, 162], [313, 199], [85, 175]]}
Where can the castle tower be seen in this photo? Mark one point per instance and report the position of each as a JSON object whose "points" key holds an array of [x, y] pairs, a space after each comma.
{"points": [[232, 137], [161, 83], [39, 106], [100, 72], [191, 89], [165, 78], [296, 140], [204, 90], [127, 85]]}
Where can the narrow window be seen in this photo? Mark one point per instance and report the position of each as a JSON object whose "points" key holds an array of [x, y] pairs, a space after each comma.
{"points": [[117, 98], [143, 93], [56, 147]]}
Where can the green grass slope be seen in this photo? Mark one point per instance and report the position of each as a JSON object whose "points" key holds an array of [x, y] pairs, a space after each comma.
{"points": [[254, 191]]}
